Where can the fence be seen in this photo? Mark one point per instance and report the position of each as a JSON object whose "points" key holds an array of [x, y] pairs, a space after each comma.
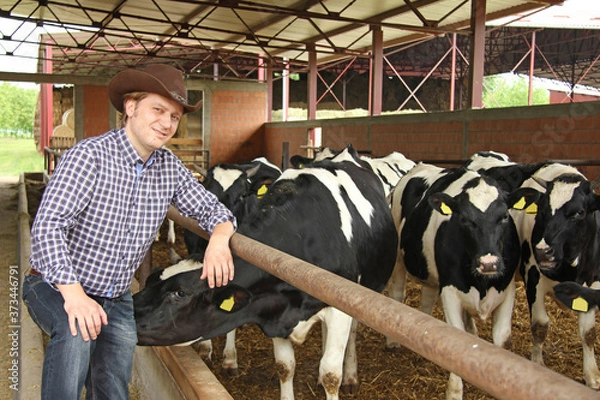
{"points": [[499, 372]]}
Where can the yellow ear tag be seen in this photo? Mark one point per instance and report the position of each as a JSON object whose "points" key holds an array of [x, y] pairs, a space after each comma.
{"points": [[519, 205], [262, 191], [445, 209], [227, 304], [579, 304], [532, 209]]}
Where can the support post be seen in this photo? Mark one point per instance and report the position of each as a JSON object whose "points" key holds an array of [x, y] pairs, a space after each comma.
{"points": [[477, 53], [376, 93], [311, 95], [531, 68]]}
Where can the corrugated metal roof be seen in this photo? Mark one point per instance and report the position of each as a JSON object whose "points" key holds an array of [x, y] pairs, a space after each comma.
{"points": [[101, 37], [572, 14]]}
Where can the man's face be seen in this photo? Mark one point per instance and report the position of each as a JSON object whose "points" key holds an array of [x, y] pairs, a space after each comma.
{"points": [[152, 122]]}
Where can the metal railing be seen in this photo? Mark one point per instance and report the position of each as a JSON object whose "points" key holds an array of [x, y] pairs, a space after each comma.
{"points": [[499, 372]]}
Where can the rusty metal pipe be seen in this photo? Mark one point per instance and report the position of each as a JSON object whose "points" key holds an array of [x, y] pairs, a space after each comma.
{"points": [[499, 372]]}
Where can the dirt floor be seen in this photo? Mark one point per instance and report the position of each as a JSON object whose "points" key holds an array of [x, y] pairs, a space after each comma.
{"points": [[401, 374], [383, 375]]}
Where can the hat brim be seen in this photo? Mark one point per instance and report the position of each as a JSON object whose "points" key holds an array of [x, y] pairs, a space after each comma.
{"points": [[132, 80]]}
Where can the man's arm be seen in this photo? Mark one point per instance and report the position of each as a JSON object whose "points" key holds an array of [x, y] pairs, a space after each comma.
{"points": [[82, 310], [218, 261]]}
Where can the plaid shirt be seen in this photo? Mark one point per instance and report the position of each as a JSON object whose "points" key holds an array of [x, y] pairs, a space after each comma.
{"points": [[102, 208]]}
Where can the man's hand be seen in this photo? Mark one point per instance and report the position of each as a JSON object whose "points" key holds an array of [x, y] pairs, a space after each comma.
{"points": [[82, 310], [218, 261]]}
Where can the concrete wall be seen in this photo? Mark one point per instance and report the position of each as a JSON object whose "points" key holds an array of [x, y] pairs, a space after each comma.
{"points": [[526, 134]]}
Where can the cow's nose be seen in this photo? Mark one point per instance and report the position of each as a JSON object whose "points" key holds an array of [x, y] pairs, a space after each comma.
{"points": [[544, 253], [488, 264]]}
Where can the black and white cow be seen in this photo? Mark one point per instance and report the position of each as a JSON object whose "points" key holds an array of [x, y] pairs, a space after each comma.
{"points": [[458, 239], [561, 242], [389, 169], [333, 215], [238, 187], [508, 174], [577, 297]]}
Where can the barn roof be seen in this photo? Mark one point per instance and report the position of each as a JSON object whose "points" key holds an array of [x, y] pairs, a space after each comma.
{"points": [[97, 38]]}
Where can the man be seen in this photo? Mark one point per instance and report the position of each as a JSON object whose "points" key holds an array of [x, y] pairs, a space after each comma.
{"points": [[98, 218]]}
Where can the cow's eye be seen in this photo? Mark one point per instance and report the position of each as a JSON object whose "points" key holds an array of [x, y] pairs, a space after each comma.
{"points": [[178, 294], [579, 214]]}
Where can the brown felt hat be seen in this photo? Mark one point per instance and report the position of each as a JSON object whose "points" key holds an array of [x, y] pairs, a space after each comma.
{"points": [[161, 79]]}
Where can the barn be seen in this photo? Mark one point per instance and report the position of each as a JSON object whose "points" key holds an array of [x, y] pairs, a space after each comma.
{"points": [[245, 60]]}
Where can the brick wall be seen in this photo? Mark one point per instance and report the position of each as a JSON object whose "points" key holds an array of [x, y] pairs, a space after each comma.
{"points": [[526, 134], [96, 106], [236, 121]]}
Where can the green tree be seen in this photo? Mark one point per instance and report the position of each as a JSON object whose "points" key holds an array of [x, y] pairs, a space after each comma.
{"points": [[18, 110], [508, 90]]}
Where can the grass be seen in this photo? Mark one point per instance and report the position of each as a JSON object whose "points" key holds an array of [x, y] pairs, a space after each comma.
{"points": [[19, 155]]}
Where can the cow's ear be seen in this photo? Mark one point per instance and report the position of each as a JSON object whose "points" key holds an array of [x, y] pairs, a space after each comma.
{"points": [[231, 298], [442, 203], [524, 199], [154, 277], [595, 202]]}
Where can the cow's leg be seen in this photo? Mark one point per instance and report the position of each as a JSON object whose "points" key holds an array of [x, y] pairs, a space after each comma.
{"points": [[205, 349], [429, 296], [502, 318], [469, 322], [230, 364], [587, 333], [453, 313], [396, 289], [536, 292], [171, 232], [350, 379], [339, 325], [286, 365]]}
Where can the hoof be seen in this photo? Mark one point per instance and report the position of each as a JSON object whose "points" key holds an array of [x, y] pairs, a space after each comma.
{"points": [[350, 388], [231, 372]]}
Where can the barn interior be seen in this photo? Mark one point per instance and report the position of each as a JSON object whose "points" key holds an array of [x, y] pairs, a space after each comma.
{"points": [[415, 67]]}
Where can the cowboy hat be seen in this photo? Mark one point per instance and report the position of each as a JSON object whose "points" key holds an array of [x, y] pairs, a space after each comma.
{"points": [[161, 79]]}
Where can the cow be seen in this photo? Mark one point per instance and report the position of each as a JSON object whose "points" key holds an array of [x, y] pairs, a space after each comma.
{"points": [[238, 187], [334, 215], [458, 240], [508, 174], [577, 297], [389, 169], [561, 243]]}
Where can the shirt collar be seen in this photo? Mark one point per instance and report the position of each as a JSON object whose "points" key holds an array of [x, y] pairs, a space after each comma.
{"points": [[129, 153]]}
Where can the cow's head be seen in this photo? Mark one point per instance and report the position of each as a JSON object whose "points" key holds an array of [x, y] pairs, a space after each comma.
{"points": [[480, 225], [566, 222], [177, 308]]}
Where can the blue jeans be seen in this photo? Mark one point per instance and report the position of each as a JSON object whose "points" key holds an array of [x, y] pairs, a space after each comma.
{"points": [[104, 365]]}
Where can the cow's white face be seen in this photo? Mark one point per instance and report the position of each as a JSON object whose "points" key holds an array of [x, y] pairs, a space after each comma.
{"points": [[226, 177], [182, 266]]}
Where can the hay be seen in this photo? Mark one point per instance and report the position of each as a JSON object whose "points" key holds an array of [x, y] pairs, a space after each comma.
{"points": [[383, 374]]}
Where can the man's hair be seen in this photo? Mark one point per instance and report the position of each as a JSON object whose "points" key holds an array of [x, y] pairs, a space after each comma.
{"points": [[135, 96]]}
